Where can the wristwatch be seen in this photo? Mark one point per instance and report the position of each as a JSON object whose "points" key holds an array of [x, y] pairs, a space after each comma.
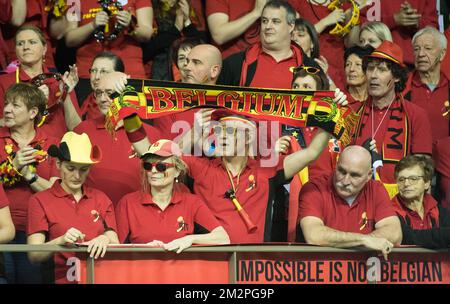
{"points": [[33, 179]]}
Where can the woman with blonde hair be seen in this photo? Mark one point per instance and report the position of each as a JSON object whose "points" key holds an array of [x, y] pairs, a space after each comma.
{"points": [[161, 214], [374, 33]]}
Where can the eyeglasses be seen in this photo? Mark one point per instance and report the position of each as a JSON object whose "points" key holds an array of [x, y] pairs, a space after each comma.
{"points": [[101, 71], [160, 167], [308, 69], [99, 93], [229, 130], [414, 179]]}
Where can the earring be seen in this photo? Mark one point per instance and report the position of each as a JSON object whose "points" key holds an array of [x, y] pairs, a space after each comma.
{"points": [[176, 179]]}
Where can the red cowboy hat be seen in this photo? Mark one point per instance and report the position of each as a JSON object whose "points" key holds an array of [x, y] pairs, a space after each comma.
{"points": [[388, 51]]}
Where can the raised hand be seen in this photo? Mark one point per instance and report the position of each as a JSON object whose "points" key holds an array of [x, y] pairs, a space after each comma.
{"points": [[71, 77], [283, 144], [101, 19]]}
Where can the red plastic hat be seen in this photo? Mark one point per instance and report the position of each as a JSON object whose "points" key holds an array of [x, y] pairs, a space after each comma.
{"points": [[164, 148], [388, 51]]}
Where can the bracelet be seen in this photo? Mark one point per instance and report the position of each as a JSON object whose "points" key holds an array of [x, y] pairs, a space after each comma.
{"points": [[137, 135], [33, 179], [132, 122]]}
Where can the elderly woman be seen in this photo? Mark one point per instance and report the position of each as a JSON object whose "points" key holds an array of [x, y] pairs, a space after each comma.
{"points": [[355, 78], [25, 168], [70, 212], [374, 33], [424, 222], [31, 48], [161, 214]]}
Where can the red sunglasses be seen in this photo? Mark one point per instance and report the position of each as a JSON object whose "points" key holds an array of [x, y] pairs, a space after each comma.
{"points": [[160, 167]]}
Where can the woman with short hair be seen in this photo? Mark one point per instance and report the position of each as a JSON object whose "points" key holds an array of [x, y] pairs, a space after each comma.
{"points": [[424, 222], [71, 212]]}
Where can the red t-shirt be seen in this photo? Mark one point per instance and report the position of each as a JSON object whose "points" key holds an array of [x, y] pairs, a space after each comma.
{"points": [[126, 47], [235, 10], [118, 173], [433, 103], [20, 193], [54, 211], [430, 209], [255, 192], [419, 142], [37, 16], [5, 17], [318, 198], [55, 122], [4, 201], [403, 35], [141, 221], [441, 156]]}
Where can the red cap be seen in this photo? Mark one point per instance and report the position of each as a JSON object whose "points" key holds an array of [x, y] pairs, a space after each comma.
{"points": [[388, 51], [164, 148]]}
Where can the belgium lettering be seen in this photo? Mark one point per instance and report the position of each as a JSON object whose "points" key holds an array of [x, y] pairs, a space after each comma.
{"points": [[341, 272]]}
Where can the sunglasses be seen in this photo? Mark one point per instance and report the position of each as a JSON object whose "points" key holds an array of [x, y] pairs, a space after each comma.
{"points": [[160, 167], [228, 130], [308, 69]]}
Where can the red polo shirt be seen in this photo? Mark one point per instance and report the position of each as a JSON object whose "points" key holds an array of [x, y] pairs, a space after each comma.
{"points": [[55, 122], [141, 221], [234, 12], [420, 130], [4, 202], [318, 198], [441, 156], [37, 16], [5, 17], [433, 103], [90, 108], [124, 46], [54, 211], [324, 164], [20, 193], [354, 104], [119, 172], [272, 74], [255, 193], [430, 209]]}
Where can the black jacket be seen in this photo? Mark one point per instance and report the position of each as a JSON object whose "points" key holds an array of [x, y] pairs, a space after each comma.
{"points": [[436, 237]]}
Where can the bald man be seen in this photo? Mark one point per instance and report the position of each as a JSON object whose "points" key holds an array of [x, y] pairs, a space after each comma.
{"points": [[203, 65], [349, 209]]}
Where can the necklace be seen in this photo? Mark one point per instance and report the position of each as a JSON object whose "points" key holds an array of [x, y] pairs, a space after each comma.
{"points": [[381, 122], [230, 177]]}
